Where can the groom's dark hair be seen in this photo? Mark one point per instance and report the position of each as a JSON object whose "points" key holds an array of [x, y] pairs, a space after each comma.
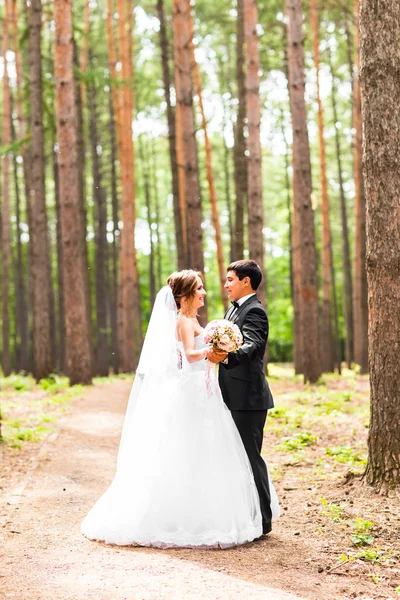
{"points": [[247, 268]]}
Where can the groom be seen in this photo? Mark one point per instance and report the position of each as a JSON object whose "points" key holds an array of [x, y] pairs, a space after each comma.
{"points": [[241, 375]]}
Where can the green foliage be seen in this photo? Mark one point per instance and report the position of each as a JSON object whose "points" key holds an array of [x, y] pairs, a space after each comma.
{"points": [[345, 454], [362, 533], [54, 383], [332, 511], [373, 555], [297, 441]]}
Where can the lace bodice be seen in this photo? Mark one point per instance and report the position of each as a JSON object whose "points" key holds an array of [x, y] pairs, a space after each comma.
{"points": [[199, 365]]}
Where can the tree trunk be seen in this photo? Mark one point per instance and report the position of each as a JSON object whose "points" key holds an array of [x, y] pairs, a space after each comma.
{"points": [[21, 313], [82, 193], [209, 175], [129, 301], [85, 48], [146, 185], [254, 167], [179, 226], [227, 178], [62, 365], [240, 160], [5, 221], [25, 333], [100, 226], [160, 283], [360, 290], [327, 362], [41, 282], [380, 83], [302, 196], [347, 279], [115, 243], [184, 98], [79, 354]]}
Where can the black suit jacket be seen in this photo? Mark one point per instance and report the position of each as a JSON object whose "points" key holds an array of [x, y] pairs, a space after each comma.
{"points": [[242, 380]]}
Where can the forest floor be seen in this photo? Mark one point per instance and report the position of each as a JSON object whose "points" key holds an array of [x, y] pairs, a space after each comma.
{"points": [[336, 537]]}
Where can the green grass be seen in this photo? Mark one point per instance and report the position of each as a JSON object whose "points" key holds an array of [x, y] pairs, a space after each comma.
{"points": [[346, 455], [362, 535], [297, 441], [332, 511]]}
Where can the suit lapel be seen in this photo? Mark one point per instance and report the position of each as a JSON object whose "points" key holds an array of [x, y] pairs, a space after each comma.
{"points": [[241, 308]]}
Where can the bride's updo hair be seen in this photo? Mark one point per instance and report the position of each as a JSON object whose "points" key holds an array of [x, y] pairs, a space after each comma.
{"points": [[184, 285]]}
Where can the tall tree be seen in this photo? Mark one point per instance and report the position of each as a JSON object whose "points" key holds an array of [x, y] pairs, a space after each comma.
{"points": [[115, 243], [146, 184], [240, 160], [5, 221], [209, 174], [129, 300], [79, 355], [101, 260], [41, 282], [360, 291], [184, 99], [21, 293], [304, 218], [164, 48], [380, 86], [347, 278], [326, 333], [254, 167]]}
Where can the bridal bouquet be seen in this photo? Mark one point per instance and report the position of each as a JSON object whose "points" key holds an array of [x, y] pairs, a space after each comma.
{"points": [[223, 335]]}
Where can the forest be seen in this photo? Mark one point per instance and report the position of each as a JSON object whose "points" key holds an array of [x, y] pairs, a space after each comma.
{"points": [[206, 177], [142, 138]]}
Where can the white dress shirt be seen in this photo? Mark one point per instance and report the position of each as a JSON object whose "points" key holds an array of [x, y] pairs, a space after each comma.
{"points": [[240, 302]]}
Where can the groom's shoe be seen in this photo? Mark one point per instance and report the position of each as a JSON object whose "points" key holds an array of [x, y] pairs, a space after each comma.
{"points": [[267, 528]]}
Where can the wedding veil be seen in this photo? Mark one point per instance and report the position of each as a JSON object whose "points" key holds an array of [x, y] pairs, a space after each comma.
{"points": [[158, 366]]}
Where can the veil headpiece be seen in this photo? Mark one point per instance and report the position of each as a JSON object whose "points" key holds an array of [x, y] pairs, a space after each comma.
{"points": [[159, 358]]}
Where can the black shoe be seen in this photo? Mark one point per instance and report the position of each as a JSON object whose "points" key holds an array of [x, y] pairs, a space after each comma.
{"points": [[267, 528]]}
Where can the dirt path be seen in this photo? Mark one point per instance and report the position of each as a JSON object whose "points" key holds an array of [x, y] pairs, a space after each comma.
{"points": [[46, 557]]}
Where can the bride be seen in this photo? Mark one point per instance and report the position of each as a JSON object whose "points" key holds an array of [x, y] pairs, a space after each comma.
{"points": [[183, 477]]}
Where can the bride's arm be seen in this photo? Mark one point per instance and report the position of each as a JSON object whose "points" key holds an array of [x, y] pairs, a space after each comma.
{"points": [[186, 332]]}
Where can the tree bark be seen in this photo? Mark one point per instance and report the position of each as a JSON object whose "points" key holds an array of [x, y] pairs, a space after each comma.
{"points": [[179, 236], [380, 88], [209, 175], [360, 290], [327, 362], [100, 226], [82, 193], [184, 97], [85, 48], [347, 278], [240, 160], [115, 243], [79, 355], [302, 196], [160, 282], [146, 185], [254, 166], [5, 221], [129, 280], [41, 283], [62, 364]]}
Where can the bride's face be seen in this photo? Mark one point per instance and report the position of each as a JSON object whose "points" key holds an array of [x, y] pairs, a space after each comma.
{"points": [[198, 300]]}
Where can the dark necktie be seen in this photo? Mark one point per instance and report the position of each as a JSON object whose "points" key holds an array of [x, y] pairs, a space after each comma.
{"points": [[235, 306]]}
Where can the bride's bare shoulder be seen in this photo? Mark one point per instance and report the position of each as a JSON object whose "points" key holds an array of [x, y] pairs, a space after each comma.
{"points": [[184, 325]]}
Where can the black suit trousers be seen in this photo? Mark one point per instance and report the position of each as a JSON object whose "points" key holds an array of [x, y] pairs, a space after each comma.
{"points": [[250, 424]]}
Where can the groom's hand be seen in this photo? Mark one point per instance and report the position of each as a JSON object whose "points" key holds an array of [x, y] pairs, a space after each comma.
{"points": [[217, 356]]}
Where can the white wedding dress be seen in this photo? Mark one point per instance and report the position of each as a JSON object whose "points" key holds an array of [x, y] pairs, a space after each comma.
{"points": [[183, 476]]}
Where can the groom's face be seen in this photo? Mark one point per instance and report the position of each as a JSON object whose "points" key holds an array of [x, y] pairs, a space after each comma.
{"points": [[237, 288]]}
